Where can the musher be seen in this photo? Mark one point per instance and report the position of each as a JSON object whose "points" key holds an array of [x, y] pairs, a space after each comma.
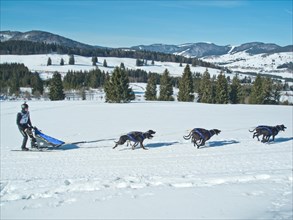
{"points": [[25, 127]]}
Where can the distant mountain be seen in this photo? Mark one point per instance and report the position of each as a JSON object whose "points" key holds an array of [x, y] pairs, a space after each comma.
{"points": [[43, 37], [209, 49], [198, 50], [190, 49]]}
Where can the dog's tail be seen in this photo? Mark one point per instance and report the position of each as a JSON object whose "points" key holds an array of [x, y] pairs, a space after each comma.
{"points": [[187, 137], [252, 130]]}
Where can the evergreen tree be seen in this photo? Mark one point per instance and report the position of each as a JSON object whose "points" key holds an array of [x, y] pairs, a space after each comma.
{"points": [[193, 63], [122, 66], [186, 86], [94, 60], [205, 92], [37, 84], [105, 63], [62, 62], [151, 88], [276, 93], [49, 62], [139, 62], [196, 82], [271, 91], [166, 88], [222, 93], [117, 87], [71, 60], [56, 88], [235, 91], [256, 96]]}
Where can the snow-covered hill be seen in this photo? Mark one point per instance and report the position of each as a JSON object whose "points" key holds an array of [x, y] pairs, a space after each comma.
{"points": [[233, 177], [264, 63], [42, 37]]}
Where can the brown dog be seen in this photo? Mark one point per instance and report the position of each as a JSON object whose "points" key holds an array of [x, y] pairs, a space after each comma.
{"points": [[199, 136]]}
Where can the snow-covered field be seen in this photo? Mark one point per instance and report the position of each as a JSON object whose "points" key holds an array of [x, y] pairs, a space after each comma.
{"points": [[38, 63], [233, 177]]}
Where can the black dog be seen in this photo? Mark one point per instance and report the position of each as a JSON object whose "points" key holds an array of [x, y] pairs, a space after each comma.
{"points": [[267, 132], [136, 137], [199, 136]]}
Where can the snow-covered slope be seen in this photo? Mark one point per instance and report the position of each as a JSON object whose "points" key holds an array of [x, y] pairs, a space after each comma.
{"points": [[39, 63], [233, 177], [259, 63]]}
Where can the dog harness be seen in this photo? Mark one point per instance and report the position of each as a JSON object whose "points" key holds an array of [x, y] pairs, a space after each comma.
{"points": [[199, 133], [266, 128], [132, 138]]}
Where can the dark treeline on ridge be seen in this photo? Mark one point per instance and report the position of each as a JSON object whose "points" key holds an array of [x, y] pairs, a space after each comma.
{"points": [[28, 47]]}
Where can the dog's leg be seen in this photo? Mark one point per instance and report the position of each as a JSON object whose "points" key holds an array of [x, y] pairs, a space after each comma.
{"points": [[141, 144], [134, 145], [198, 144], [202, 143], [115, 145]]}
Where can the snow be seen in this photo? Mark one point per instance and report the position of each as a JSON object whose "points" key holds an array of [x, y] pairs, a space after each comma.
{"points": [[38, 63], [5, 37], [233, 177], [260, 63]]}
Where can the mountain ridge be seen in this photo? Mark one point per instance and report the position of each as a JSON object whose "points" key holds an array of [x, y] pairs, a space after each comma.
{"points": [[199, 49]]}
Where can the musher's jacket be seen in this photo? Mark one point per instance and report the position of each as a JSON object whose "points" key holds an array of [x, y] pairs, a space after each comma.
{"points": [[23, 120]]}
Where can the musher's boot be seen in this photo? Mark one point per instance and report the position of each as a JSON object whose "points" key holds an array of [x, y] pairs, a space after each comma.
{"points": [[24, 149]]}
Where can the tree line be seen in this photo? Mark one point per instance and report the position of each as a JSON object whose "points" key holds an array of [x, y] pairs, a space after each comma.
{"points": [[215, 90], [13, 76], [192, 87]]}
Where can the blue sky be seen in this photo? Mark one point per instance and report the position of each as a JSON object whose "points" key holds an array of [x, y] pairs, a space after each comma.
{"points": [[115, 23]]}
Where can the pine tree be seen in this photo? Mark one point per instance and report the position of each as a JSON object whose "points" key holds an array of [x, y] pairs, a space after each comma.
{"points": [[256, 96], [139, 62], [276, 93], [196, 82], [122, 66], [270, 91], [71, 60], [235, 91], [186, 86], [62, 62], [222, 93], [166, 88], [105, 63], [117, 87], [151, 88], [94, 60], [49, 62], [205, 92], [56, 88]]}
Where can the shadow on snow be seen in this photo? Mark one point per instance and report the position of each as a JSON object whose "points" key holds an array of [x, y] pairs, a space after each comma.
{"points": [[162, 144], [154, 145], [281, 140], [221, 143], [66, 147]]}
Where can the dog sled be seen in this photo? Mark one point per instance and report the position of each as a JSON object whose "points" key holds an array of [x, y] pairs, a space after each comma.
{"points": [[45, 141]]}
